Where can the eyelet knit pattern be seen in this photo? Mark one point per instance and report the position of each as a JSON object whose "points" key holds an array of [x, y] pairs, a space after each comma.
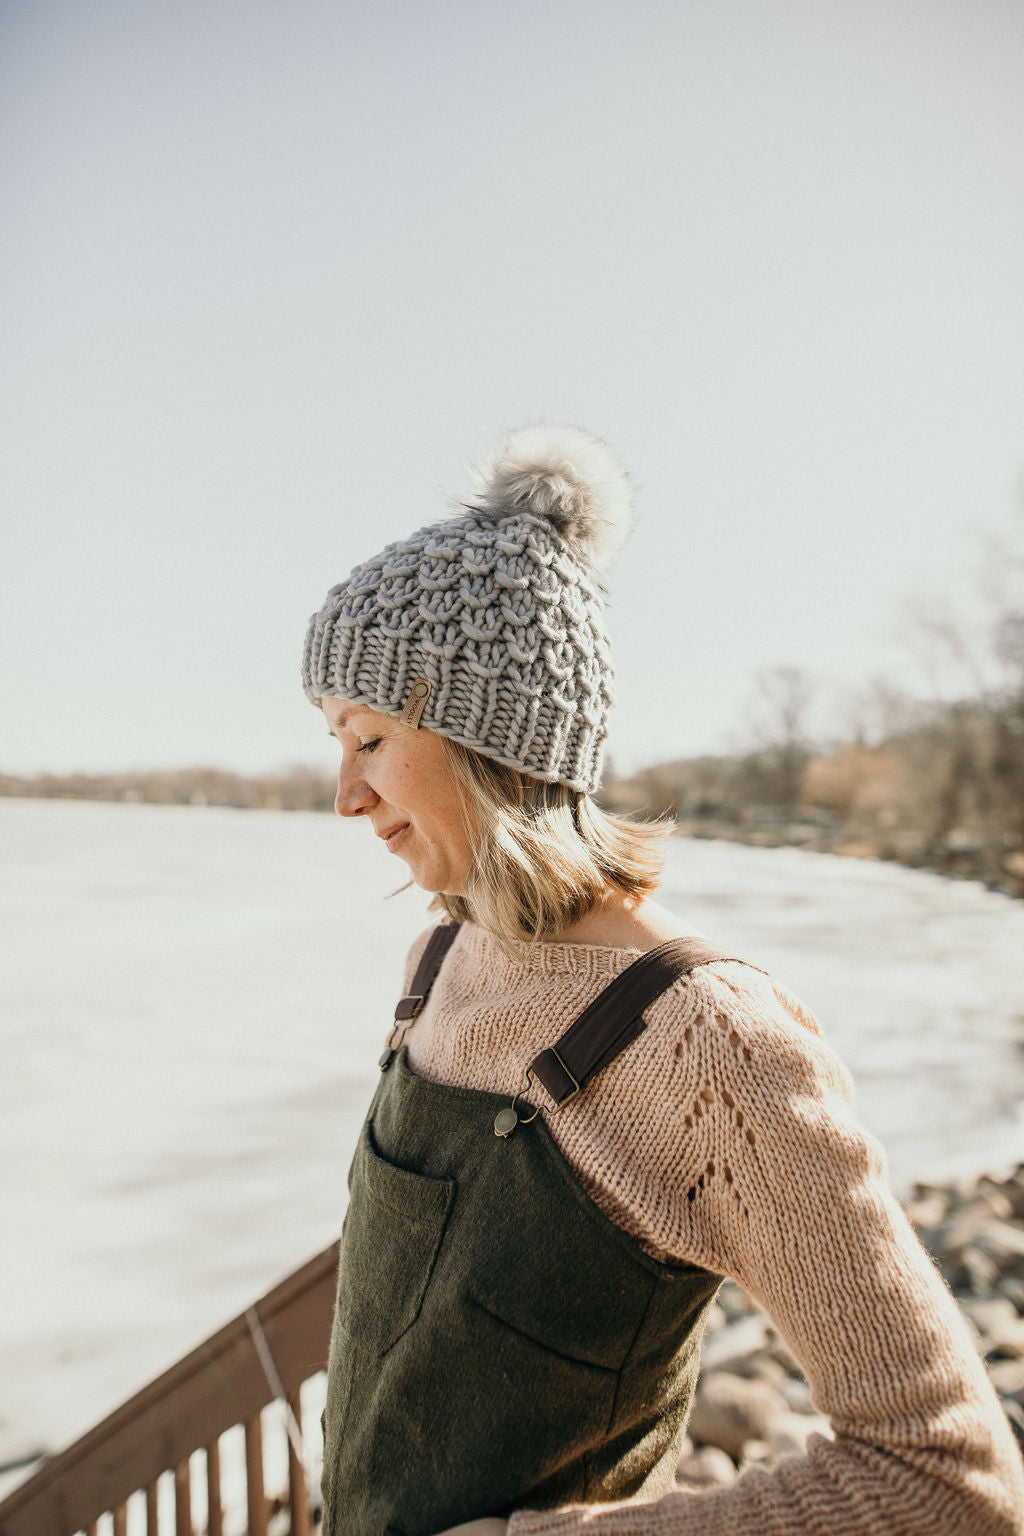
{"points": [[724, 1137]]}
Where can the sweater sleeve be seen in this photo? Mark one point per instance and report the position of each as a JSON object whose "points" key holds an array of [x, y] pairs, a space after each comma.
{"points": [[766, 1177]]}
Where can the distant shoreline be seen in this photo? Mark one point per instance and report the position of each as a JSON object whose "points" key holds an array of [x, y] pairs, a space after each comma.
{"points": [[960, 856], [958, 860]]}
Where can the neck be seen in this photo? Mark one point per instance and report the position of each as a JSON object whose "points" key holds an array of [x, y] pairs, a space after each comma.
{"points": [[623, 922]]}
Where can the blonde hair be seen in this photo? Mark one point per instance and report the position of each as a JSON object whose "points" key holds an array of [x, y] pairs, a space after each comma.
{"points": [[544, 855]]}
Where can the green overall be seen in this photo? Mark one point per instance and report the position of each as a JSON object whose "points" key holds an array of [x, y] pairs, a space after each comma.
{"points": [[498, 1342]]}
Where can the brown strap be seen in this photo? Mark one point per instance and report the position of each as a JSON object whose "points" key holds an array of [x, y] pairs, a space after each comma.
{"points": [[407, 1007], [616, 1016], [438, 945]]}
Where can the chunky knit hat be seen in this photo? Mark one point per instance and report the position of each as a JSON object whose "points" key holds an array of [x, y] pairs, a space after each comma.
{"points": [[488, 627]]}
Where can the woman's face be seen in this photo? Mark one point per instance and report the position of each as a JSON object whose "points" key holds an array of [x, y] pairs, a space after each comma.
{"points": [[399, 779]]}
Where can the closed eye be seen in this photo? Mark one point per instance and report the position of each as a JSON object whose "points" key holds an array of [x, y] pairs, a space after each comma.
{"points": [[369, 746]]}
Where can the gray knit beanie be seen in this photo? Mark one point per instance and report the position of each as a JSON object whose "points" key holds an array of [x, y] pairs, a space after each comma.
{"points": [[488, 627]]}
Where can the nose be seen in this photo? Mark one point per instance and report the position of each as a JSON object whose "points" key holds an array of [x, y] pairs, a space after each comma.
{"points": [[354, 796]]}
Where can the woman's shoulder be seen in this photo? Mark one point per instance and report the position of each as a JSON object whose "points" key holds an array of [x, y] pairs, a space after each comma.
{"points": [[750, 1031]]}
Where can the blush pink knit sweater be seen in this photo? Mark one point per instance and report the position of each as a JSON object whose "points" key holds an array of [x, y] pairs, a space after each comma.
{"points": [[724, 1137]]}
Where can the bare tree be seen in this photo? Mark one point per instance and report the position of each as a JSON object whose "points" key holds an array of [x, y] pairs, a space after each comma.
{"points": [[777, 727]]}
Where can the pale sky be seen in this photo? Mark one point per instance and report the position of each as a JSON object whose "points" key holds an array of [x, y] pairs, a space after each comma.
{"points": [[273, 274]]}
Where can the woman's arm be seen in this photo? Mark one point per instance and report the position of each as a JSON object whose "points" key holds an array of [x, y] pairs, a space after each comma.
{"points": [[789, 1196]]}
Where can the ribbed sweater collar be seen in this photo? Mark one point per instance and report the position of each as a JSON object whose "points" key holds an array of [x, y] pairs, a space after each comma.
{"points": [[540, 958]]}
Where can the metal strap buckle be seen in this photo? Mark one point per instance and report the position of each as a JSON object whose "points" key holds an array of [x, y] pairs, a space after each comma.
{"points": [[561, 1103], [405, 1014]]}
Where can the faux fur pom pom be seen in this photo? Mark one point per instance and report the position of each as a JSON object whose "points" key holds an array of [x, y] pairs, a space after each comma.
{"points": [[569, 478]]}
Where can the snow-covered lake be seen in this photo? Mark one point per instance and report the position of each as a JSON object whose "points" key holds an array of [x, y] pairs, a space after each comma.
{"points": [[192, 1003]]}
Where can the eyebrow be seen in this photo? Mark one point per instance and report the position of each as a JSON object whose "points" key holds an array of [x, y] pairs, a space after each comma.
{"points": [[345, 715]]}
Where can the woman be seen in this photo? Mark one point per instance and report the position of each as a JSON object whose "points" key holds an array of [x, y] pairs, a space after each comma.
{"points": [[587, 1117]]}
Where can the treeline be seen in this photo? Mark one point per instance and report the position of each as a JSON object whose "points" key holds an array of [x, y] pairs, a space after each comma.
{"points": [[929, 772], [943, 789], [292, 789], [930, 775]]}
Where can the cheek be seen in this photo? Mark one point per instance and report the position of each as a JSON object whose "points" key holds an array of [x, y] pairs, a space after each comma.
{"points": [[442, 822]]}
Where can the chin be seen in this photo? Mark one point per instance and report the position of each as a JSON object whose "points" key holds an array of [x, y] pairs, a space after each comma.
{"points": [[425, 883]]}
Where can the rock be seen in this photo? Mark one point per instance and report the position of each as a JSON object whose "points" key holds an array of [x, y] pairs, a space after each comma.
{"points": [[797, 1394], [778, 1351], [707, 1468], [1002, 1242], [729, 1410], [791, 1431], [1013, 1289], [756, 1453], [988, 1313], [732, 1344], [1007, 1376], [762, 1367], [734, 1300], [927, 1210], [1015, 1414], [922, 1190], [977, 1271], [1013, 1189], [715, 1319], [995, 1200], [1001, 1330]]}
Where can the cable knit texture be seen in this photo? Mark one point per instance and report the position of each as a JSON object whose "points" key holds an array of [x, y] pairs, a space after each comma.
{"points": [[499, 609], [724, 1137]]}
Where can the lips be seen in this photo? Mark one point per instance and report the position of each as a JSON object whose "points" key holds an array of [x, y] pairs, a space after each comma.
{"points": [[394, 835]]}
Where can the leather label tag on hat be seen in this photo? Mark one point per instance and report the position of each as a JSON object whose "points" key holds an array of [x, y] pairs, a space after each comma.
{"points": [[419, 693]]}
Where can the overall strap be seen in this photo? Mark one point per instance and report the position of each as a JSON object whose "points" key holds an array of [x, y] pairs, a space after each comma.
{"points": [[408, 1007], [438, 945], [616, 1016]]}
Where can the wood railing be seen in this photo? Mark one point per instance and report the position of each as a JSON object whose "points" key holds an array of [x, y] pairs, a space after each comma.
{"points": [[264, 1355]]}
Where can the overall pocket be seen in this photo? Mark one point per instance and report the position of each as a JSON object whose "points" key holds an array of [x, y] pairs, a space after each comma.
{"points": [[394, 1228]]}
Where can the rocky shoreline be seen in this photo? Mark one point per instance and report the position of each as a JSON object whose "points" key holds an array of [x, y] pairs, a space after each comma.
{"points": [[962, 855], [753, 1405]]}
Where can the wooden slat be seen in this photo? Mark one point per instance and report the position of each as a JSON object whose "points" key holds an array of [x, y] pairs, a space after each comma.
{"points": [[121, 1520], [152, 1511], [255, 1492], [298, 1494], [220, 1384], [182, 1499], [215, 1516]]}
